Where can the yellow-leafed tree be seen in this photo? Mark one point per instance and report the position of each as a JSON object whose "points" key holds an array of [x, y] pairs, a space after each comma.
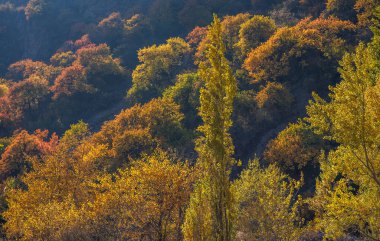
{"points": [[211, 214], [348, 192]]}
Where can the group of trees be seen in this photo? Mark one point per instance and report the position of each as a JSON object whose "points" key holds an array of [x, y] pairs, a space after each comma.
{"points": [[254, 40], [36, 28], [347, 195], [168, 166], [35, 92], [69, 196]]}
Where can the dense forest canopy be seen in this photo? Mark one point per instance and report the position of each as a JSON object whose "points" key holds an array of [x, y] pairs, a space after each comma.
{"points": [[193, 120]]}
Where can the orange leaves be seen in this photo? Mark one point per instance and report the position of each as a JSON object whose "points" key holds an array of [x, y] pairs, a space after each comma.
{"points": [[25, 68], [71, 80], [28, 94], [88, 54], [7, 116], [23, 148], [23, 96], [113, 21], [274, 58], [274, 97], [83, 42], [357, 10], [35, 8], [196, 35], [294, 148], [365, 10], [84, 72], [140, 129], [91, 70]]}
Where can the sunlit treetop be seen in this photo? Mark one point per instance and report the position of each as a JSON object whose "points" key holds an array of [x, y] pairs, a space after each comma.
{"points": [[273, 59], [158, 68]]}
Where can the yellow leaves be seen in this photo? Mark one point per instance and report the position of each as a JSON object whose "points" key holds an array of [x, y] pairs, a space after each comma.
{"points": [[271, 60], [92, 158], [3, 90], [153, 194], [254, 32], [351, 208], [318, 115], [63, 59], [347, 195], [231, 26], [62, 202], [140, 129], [268, 204], [199, 220], [210, 215]]}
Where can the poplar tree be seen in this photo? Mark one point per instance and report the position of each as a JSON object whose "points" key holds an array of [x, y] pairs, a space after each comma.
{"points": [[210, 215]]}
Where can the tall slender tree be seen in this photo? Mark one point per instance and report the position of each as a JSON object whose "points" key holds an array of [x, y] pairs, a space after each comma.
{"points": [[211, 212]]}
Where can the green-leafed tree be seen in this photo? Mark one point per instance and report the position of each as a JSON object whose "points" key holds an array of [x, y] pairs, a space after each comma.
{"points": [[211, 213], [158, 69], [186, 94], [254, 32]]}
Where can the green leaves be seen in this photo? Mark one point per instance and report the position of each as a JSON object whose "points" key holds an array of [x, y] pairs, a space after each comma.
{"points": [[158, 68]]}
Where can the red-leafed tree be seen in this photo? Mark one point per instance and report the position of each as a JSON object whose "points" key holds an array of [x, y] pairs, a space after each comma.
{"points": [[72, 80], [23, 148]]}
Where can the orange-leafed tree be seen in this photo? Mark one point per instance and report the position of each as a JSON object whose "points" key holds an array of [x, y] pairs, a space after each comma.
{"points": [[72, 80], [142, 128], [23, 148], [28, 93], [290, 48], [295, 148], [24, 69]]}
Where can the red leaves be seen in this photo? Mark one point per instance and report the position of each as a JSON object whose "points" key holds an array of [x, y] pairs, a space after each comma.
{"points": [[196, 35], [71, 80], [24, 148]]}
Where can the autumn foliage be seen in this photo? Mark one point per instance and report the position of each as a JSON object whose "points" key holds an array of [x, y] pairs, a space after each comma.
{"points": [[24, 148], [142, 120], [274, 59]]}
